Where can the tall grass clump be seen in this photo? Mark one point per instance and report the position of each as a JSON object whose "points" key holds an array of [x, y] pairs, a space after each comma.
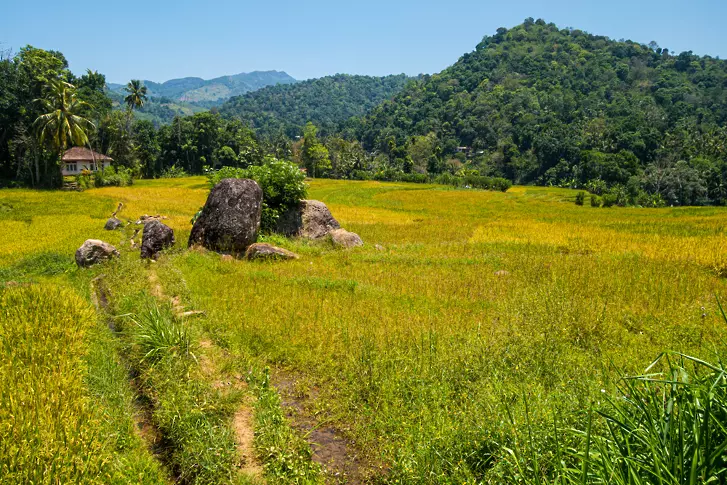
{"points": [[158, 334], [664, 427]]}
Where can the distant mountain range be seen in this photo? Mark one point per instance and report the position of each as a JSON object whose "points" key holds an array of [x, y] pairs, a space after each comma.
{"points": [[198, 90]]}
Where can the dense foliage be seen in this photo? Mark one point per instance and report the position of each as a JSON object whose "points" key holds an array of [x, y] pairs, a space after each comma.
{"points": [[42, 106], [537, 104], [328, 102], [282, 184]]}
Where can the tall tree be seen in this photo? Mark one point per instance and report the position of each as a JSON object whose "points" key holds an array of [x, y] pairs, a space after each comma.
{"points": [[137, 94], [61, 125], [315, 154]]}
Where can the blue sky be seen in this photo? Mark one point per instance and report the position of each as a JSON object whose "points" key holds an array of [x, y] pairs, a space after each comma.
{"points": [[159, 40]]}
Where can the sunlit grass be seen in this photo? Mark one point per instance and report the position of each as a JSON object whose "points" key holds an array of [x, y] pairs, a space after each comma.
{"points": [[474, 302], [51, 431]]}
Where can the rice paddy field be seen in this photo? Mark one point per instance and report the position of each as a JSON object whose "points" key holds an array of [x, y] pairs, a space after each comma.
{"points": [[469, 323]]}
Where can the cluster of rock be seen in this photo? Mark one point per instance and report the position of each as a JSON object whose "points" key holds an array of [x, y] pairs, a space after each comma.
{"points": [[229, 223], [156, 236]]}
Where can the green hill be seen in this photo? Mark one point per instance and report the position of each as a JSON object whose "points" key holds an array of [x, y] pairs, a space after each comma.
{"points": [[327, 102], [541, 104]]}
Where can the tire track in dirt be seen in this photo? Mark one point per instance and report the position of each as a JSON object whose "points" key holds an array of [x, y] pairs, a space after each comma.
{"points": [[210, 356], [340, 459], [242, 421]]}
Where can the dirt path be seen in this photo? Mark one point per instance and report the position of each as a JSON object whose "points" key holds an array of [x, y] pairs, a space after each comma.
{"points": [[341, 462], [209, 358]]}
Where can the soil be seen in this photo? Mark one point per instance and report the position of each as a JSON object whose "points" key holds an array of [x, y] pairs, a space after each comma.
{"points": [[336, 454]]}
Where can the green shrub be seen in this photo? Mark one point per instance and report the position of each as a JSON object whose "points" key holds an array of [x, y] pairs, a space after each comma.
{"points": [[109, 176], [84, 179], [580, 198], [173, 172], [472, 181], [609, 199], [595, 201], [281, 181]]}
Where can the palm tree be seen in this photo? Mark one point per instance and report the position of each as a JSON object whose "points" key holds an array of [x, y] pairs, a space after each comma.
{"points": [[61, 125], [137, 94]]}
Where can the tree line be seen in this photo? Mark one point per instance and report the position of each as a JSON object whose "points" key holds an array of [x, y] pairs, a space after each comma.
{"points": [[635, 124]]}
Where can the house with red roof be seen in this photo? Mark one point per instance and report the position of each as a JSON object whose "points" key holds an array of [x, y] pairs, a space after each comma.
{"points": [[77, 159]]}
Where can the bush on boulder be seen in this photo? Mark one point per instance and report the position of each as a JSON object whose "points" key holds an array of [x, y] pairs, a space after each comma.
{"points": [[281, 181]]}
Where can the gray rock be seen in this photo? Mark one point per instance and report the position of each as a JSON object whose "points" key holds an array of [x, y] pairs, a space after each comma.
{"points": [[230, 219], [156, 236], [94, 251], [264, 251], [112, 224], [311, 219], [345, 239]]}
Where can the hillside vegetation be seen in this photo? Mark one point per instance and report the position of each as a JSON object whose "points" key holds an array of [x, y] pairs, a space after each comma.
{"points": [[327, 102], [539, 104]]}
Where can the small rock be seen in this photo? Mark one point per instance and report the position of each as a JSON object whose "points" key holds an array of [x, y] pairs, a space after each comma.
{"points": [[502, 273], [94, 251], [264, 251], [379, 247], [112, 224], [345, 239], [147, 218], [156, 236], [227, 258]]}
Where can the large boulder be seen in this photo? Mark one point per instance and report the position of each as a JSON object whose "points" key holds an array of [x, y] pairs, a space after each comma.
{"points": [[94, 251], [264, 251], [345, 239], [230, 219], [310, 219], [156, 236], [112, 224]]}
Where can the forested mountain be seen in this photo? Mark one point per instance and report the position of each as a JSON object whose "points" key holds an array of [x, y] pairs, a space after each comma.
{"points": [[541, 104], [190, 95], [194, 89], [327, 102]]}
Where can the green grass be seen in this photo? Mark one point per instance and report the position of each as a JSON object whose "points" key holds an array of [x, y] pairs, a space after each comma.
{"points": [[423, 353]]}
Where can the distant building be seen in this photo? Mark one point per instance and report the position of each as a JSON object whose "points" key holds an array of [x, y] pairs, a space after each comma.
{"points": [[77, 159], [462, 149]]}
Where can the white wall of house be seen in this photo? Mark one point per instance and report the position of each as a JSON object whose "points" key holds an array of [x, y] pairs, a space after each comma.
{"points": [[75, 168]]}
